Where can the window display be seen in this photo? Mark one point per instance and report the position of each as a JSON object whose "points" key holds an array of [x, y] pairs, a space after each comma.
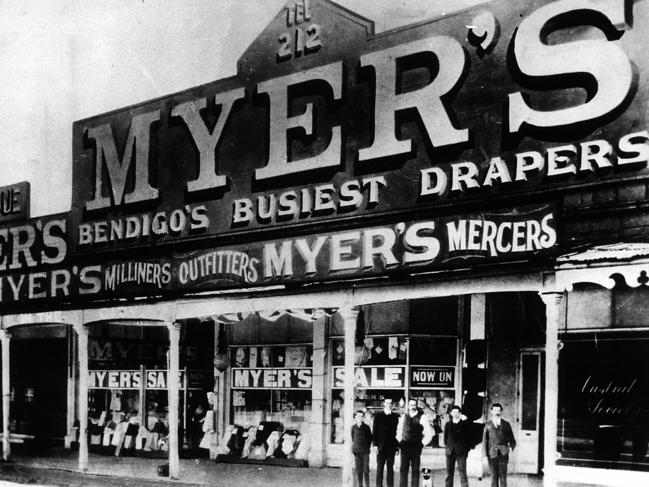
{"points": [[271, 402], [128, 410]]}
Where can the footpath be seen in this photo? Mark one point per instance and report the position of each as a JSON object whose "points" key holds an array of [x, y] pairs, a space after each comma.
{"points": [[59, 468]]}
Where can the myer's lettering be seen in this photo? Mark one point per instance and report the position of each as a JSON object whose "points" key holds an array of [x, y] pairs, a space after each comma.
{"points": [[130, 379], [32, 244], [205, 141], [427, 101], [271, 378], [603, 61], [136, 153], [280, 162]]}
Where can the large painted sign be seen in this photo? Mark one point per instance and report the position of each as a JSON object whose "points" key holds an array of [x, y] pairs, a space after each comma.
{"points": [[410, 246], [326, 122]]}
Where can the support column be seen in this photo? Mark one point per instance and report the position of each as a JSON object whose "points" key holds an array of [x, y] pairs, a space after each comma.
{"points": [[219, 406], [174, 399], [72, 370], [349, 315], [82, 350], [5, 336], [319, 389], [553, 316]]}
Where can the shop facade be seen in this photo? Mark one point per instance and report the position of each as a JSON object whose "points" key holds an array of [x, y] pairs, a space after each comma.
{"points": [[430, 212]]}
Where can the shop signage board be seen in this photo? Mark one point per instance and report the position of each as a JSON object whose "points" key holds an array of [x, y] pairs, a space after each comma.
{"points": [[133, 379], [271, 378], [438, 377], [378, 377], [335, 152], [409, 246], [14, 202]]}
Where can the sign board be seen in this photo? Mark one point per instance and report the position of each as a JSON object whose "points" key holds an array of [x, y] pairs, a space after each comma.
{"points": [[133, 379], [271, 378], [14, 202], [377, 377], [444, 242], [437, 377]]}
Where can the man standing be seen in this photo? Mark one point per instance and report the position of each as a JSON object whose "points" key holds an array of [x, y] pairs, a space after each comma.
{"points": [[413, 433], [497, 439], [457, 439], [385, 442], [361, 443]]}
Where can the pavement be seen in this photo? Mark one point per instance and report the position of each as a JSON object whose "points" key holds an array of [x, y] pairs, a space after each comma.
{"points": [[59, 468]]}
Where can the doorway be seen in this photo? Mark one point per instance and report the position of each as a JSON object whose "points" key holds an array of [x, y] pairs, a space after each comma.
{"points": [[39, 387], [529, 449]]}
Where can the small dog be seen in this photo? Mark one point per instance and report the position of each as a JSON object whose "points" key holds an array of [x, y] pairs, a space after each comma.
{"points": [[428, 480]]}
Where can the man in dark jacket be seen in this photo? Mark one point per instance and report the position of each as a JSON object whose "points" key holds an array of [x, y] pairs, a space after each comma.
{"points": [[385, 442], [413, 433], [497, 440], [361, 443], [457, 439]]}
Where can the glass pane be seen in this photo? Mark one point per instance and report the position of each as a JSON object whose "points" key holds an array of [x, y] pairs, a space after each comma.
{"points": [[433, 351], [436, 405], [603, 402], [368, 400], [530, 391]]}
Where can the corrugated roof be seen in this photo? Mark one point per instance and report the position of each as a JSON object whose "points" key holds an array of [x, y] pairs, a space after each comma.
{"points": [[612, 252]]}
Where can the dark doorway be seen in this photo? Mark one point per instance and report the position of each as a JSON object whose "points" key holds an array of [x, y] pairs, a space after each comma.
{"points": [[39, 386]]}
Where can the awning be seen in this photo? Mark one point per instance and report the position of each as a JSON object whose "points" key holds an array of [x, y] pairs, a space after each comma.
{"points": [[606, 265], [618, 252], [274, 315]]}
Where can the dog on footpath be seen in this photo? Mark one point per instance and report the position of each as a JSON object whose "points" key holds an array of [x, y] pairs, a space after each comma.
{"points": [[427, 479]]}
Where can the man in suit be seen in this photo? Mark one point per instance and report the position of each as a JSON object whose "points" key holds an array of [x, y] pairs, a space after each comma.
{"points": [[497, 440], [361, 444], [413, 433], [385, 442], [457, 439]]}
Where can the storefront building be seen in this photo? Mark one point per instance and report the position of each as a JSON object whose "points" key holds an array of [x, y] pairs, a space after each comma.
{"points": [[453, 211]]}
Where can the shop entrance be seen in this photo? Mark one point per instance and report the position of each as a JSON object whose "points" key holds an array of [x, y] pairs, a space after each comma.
{"points": [[39, 384], [529, 449]]}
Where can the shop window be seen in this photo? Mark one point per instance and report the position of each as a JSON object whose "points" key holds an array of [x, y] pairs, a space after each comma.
{"points": [[128, 410], [433, 351], [128, 386], [271, 384], [286, 329], [380, 319], [380, 351], [432, 379], [434, 316], [271, 356], [368, 400], [398, 367], [436, 405], [289, 408], [604, 401]]}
